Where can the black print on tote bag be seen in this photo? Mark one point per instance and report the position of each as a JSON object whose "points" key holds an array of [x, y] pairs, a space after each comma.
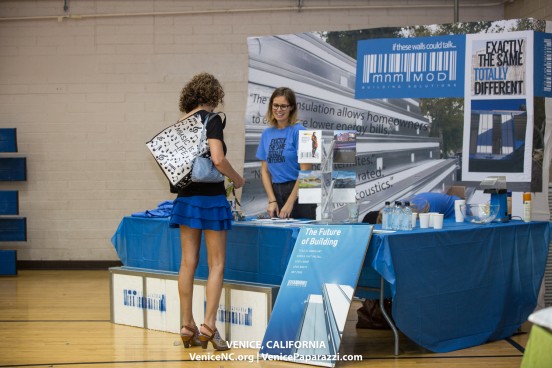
{"points": [[176, 147]]}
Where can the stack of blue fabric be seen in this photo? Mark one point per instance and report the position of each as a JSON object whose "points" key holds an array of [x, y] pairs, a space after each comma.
{"points": [[163, 209]]}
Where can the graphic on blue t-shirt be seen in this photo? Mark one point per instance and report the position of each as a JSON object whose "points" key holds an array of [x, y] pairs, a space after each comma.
{"points": [[278, 148], [276, 151]]}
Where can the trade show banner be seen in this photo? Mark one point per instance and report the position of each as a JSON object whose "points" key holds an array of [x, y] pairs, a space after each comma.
{"points": [[543, 63], [433, 107], [308, 318], [411, 67], [498, 106]]}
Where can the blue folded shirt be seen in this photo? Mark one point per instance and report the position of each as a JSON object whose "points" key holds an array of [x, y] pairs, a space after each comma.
{"points": [[163, 209]]}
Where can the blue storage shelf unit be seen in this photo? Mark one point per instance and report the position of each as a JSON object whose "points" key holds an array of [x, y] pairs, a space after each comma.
{"points": [[8, 263], [13, 169], [8, 140], [12, 228], [9, 202]]}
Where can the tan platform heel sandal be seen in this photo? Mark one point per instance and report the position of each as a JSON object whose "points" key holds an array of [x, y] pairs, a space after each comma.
{"points": [[190, 340], [217, 341]]}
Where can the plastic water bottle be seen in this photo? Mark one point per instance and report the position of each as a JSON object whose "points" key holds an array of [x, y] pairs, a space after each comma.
{"points": [[396, 216], [406, 217], [386, 216]]}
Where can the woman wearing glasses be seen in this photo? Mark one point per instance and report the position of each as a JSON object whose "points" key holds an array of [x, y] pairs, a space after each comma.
{"points": [[278, 152]]}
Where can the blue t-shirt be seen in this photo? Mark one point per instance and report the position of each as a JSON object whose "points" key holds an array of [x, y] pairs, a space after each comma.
{"points": [[278, 147]]}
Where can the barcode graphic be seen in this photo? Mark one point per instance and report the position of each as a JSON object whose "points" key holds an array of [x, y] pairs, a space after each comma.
{"points": [[237, 315], [376, 65], [548, 65], [134, 298]]}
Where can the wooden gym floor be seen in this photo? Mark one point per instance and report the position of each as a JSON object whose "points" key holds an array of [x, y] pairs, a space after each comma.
{"points": [[61, 319]]}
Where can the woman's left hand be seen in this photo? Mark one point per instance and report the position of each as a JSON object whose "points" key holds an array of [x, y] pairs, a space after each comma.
{"points": [[285, 211]]}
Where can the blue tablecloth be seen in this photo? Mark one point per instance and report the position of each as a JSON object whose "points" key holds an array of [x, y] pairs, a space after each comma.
{"points": [[452, 288], [465, 284], [257, 254]]}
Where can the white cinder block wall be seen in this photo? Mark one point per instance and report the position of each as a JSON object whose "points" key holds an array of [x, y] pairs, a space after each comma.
{"points": [[86, 91]]}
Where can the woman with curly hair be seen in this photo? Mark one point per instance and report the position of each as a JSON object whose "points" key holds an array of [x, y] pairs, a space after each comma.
{"points": [[203, 207]]}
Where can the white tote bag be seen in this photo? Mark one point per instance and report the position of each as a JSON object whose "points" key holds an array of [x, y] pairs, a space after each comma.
{"points": [[176, 147]]}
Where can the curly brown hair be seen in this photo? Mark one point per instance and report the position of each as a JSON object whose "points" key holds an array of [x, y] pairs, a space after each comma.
{"points": [[202, 89]]}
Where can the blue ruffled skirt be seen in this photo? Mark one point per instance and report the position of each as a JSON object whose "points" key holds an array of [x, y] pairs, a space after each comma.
{"points": [[202, 212]]}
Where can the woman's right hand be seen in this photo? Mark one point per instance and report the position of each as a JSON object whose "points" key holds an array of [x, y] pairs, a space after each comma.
{"points": [[239, 183], [272, 209]]}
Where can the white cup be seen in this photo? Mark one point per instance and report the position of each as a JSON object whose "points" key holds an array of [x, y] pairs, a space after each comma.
{"points": [[459, 217], [353, 212], [431, 218], [424, 220], [414, 216], [437, 220]]}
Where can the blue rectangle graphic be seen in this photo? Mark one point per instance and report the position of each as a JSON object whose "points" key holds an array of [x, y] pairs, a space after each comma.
{"points": [[411, 67]]}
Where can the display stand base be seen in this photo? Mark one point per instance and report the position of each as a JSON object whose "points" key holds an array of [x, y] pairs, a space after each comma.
{"points": [[149, 299]]}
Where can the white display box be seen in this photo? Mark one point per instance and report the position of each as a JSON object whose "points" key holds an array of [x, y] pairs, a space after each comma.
{"points": [[149, 299]]}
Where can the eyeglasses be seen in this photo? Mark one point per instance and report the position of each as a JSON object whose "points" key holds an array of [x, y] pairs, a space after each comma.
{"points": [[281, 107]]}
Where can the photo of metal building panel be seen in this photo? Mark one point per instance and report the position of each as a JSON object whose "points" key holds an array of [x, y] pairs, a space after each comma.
{"points": [[324, 319], [337, 300], [396, 156], [313, 328], [497, 140]]}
